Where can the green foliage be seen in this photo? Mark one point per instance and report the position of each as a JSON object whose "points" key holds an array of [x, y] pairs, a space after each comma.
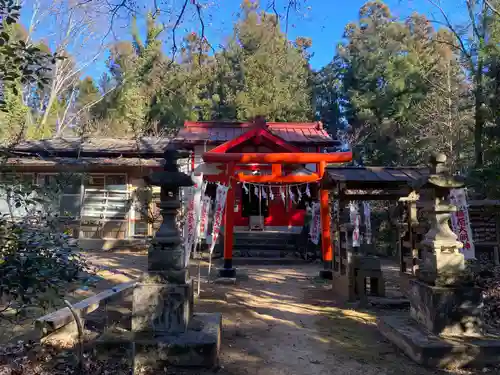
{"points": [[269, 76], [393, 75], [20, 62], [37, 259], [259, 73]]}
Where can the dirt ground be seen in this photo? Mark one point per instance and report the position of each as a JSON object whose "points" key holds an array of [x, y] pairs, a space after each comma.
{"points": [[282, 320]]}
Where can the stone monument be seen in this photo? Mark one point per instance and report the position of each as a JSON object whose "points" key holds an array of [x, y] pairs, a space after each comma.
{"points": [[444, 327], [165, 331]]}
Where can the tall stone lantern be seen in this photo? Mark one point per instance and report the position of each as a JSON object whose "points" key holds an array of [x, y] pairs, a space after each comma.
{"points": [[445, 323], [442, 262], [165, 330], [443, 298]]}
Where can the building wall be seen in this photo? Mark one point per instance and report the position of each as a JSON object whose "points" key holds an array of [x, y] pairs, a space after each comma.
{"points": [[281, 216], [100, 207]]}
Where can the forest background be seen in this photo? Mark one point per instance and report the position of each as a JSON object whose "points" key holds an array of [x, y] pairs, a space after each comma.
{"points": [[396, 89]]}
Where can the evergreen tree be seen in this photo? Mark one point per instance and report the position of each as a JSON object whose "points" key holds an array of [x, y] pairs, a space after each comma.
{"points": [[267, 76]]}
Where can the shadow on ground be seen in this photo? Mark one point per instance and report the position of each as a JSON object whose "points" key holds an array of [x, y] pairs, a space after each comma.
{"points": [[280, 320]]}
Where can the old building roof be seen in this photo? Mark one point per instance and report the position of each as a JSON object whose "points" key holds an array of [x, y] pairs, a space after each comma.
{"points": [[81, 162], [94, 146], [374, 175], [213, 133], [302, 133]]}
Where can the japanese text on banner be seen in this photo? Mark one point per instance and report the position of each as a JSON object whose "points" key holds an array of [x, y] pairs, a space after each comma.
{"points": [[205, 210], [220, 203], [368, 222], [193, 196], [355, 220], [460, 223], [200, 187], [315, 230]]}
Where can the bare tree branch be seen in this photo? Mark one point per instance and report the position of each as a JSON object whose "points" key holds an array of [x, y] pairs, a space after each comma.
{"points": [[493, 9], [450, 26]]}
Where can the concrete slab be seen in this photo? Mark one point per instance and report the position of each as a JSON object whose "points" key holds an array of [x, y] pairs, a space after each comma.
{"points": [[199, 346], [431, 350]]}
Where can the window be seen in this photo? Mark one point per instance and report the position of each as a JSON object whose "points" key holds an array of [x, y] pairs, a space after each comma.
{"points": [[61, 193], [106, 207]]}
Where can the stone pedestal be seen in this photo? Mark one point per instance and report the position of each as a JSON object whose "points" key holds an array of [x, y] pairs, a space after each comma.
{"points": [[446, 311], [165, 332], [162, 308]]}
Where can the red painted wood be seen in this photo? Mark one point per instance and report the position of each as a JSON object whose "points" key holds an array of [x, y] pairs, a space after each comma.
{"points": [[256, 134], [326, 241], [229, 214], [282, 158], [290, 179], [279, 215]]}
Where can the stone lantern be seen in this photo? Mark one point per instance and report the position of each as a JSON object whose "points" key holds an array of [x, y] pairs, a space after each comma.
{"points": [[445, 323], [442, 262], [165, 330]]}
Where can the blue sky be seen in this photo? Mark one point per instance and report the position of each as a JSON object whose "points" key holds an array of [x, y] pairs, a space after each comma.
{"points": [[321, 20]]}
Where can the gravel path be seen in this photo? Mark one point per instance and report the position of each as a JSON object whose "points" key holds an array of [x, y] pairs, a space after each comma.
{"points": [[282, 321]]}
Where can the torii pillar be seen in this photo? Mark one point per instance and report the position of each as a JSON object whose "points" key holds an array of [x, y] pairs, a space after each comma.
{"points": [[326, 235]]}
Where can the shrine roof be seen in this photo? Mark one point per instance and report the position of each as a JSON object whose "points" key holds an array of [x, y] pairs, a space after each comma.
{"points": [[82, 162], [311, 133], [376, 175], [94, 146]]}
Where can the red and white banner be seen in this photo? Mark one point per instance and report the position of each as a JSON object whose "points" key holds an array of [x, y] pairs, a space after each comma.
{"points": [[193, 196], [368, 222], [355, 220], [205, 211], [220, 203], [198, 201], [460, 223], [315, 229]]}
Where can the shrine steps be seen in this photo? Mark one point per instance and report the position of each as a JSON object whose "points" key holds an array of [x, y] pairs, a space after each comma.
{"points": [[257, 247]]}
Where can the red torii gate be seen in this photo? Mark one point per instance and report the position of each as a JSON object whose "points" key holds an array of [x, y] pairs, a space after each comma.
{"points": [[276, 160]]}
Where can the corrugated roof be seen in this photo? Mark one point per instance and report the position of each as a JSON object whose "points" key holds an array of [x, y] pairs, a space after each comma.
{"points": [[376, 174], [293, 132], [103, 146], [83, 162]]}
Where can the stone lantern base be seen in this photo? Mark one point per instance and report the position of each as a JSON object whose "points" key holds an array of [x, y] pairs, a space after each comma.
{"points": [[447, 311], [428, 349], [198, 346], [444, 328]]}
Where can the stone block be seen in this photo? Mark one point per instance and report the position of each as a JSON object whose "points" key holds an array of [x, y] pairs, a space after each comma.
{"points": [[431, 350], [366, 262], [326, 274], [450, 311], [199, 346], [162, 308], [164, 259], [227, 272], [225, 280]]}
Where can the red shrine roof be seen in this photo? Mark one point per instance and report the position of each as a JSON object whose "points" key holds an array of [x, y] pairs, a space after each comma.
{"points": [[309, 133]]}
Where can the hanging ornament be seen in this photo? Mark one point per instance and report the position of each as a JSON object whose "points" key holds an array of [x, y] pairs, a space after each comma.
{"points": [[299, 194], [290, 193], [264, 194], [256, 191], [282, 194], [308, 191], [245, 187], [271, 195]]}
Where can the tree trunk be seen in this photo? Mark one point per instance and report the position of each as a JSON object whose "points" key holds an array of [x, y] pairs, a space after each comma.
{"points": [[479, 120]]}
